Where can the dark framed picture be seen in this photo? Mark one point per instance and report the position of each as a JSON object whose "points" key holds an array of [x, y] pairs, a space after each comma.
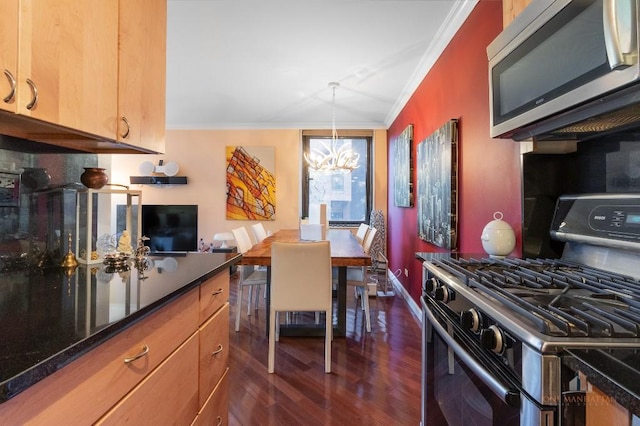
{"points": [[9, 189], [438, 186], [403, 164]]}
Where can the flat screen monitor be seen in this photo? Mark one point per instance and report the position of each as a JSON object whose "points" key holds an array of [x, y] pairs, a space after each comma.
{"points": [[170, 227]]}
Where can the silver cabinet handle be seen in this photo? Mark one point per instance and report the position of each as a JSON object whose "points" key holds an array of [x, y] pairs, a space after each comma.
{"points": [[217, 292], [34, 95], [620, 32], [145, 350], [218, 350], [219, 421], [12, 83], [126, 123]]}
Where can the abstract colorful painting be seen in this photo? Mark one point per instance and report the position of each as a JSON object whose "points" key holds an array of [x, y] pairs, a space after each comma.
{"points": [[251, 183], [403, 165], [438, 186]]}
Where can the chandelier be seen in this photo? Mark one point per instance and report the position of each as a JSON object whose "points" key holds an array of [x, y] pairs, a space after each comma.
{"points": [[334, 156]]}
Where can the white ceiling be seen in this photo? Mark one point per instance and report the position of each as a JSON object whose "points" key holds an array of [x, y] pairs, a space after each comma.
{"points": [[235, 64]]}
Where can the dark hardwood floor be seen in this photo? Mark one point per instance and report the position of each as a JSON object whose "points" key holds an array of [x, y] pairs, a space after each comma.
{"points": [[375, 378]]}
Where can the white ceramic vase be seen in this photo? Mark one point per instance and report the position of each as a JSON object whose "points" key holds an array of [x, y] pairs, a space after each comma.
{"points": [[498, 238]]}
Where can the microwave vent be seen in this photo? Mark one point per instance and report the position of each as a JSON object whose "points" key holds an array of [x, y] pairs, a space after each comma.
{"points": [[618, 112], [605, 123]]}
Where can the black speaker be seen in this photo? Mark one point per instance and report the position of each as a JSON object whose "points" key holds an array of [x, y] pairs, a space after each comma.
{"points": [[158, 180]]}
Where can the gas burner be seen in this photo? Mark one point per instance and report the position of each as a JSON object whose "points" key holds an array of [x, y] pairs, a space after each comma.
{"points": [[557, 297]]}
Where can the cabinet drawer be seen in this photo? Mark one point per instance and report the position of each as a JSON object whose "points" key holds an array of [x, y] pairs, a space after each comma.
{"points": [[87, 388], [216, 409], [168, 395], [214, 351], [213, 294]]}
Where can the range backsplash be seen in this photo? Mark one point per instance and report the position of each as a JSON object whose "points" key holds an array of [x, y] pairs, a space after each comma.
{"points": [[610, 164], [19, 224]]}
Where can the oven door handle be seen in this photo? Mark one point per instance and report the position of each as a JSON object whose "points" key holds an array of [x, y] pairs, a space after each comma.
{"points": [[508, 396]]}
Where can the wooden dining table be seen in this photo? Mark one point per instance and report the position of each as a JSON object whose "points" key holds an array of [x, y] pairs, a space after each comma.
{"points": [[345, 251]]}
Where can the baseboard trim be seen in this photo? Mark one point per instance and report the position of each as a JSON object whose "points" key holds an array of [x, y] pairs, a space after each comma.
{"points": [[413, 306]]}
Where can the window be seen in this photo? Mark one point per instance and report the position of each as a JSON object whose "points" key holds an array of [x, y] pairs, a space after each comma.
{"points": [[347, 194]]}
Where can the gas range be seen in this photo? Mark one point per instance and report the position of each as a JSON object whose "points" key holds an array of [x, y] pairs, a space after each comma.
{"points": [[503, 323], [549, 304]]}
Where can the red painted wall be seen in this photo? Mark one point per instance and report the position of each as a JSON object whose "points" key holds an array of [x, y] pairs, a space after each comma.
{"points": [[489, 172]]}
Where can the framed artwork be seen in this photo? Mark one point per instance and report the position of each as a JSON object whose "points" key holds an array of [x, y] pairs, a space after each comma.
{"points": [[403, 165], [9, 189], [251, 183], [438, 187]]}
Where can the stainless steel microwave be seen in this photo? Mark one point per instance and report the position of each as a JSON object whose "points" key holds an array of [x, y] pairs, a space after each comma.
{"points": [[566, 69]]}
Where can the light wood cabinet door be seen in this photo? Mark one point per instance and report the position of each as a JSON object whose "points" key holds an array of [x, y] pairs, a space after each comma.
{"points": [[8, 54], [142, 73], [68, 55], [214, 293], [83, 391], [511, 9], [216, 409], [214, 352], [169, 395]]}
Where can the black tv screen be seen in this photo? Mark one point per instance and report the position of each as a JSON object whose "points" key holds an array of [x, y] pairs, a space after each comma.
{"points": [[170, 227]]}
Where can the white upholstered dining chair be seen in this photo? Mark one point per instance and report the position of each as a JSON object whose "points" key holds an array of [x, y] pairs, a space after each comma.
{"points": [[357, 278], [362, 232], [259, 232], [300, 281], [249, 275]]}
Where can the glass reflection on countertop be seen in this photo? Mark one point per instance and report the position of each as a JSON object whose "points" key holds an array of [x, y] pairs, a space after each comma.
{"points": [[43, 312], [49, 316]]}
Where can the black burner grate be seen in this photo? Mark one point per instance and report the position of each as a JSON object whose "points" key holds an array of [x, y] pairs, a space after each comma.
{"points": [[559, 298]]}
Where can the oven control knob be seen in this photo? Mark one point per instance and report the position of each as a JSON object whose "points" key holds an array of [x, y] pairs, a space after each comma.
{"points": [[431, 284], [491, 338], [442, 294], [470, 320]]}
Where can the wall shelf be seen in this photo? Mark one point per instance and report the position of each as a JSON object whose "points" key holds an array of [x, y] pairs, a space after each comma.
{"points": [[158, 180]]}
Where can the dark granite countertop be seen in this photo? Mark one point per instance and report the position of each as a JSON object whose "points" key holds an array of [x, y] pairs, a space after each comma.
{"points": [[428, 256], [47, 319], [616, 372]]}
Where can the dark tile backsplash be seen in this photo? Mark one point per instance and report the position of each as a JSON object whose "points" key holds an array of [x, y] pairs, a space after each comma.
{"points": [[609, 164], [23, 230]]}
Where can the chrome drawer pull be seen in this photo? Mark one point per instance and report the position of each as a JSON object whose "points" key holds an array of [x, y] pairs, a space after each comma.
{"points": [[217, 292], [12, 82], [126, 123], [145, 350], [34, 92], [217, 351], [219, 421]]}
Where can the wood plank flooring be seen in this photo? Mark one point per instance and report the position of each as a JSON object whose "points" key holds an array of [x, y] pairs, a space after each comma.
{"points": [[375, 378]]}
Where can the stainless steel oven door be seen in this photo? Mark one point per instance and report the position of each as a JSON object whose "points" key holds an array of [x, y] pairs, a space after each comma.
{"points": [[461, 385]]}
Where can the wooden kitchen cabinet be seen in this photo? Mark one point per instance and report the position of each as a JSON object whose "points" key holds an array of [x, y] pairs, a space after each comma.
{"points": [[178, 375], [142, 73], [511, 9], [214, 293], [168, 395], [600, 408], [68, 50], [83, 391], [8, 53], [215, 411], [214, 352], [98, 70]]}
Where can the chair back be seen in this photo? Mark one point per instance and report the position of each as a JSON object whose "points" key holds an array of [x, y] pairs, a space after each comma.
{"points": [[368, 241], [301, 276], [361, 234], [259, 232], [243, 241]]}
